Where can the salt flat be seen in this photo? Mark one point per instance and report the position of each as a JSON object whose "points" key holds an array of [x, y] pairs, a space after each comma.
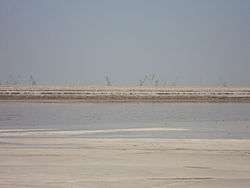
{"points": [[79, 162]]}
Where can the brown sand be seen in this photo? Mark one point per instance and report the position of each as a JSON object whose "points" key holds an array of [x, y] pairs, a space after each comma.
{"points": [[27, 161]]}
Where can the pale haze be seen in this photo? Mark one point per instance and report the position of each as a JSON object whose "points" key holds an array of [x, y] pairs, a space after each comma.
{"points": [[186, 42]]}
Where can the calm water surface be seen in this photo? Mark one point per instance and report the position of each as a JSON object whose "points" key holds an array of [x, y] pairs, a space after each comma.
{"points": [[201, 120]]}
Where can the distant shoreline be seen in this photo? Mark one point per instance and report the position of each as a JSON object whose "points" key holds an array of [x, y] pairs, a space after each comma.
{"points": [[123, 94]]}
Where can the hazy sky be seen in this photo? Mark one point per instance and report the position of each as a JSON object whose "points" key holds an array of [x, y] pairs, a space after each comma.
{"points": [[190, 42]]}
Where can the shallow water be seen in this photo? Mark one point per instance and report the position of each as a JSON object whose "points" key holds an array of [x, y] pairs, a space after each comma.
{"points": [[195, 120]]}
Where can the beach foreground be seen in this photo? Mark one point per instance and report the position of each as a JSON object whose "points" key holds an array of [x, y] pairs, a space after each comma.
{"points": [[36, 161]]}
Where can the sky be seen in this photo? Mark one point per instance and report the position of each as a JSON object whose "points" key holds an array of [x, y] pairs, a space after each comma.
{"points": [[180, 42]]}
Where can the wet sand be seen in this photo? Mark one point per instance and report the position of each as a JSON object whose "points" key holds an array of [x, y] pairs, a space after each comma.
{"points": [[36, 161]]}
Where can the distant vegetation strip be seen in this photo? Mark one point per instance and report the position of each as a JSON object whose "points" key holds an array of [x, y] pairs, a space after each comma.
{"points": [[124, 94]]}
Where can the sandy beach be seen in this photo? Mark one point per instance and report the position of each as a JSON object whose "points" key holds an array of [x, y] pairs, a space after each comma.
{"points": [[140, 145], [37, 161]]}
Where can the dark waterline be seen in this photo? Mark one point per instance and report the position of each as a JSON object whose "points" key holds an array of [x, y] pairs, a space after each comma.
{"points": [[202, 120]]}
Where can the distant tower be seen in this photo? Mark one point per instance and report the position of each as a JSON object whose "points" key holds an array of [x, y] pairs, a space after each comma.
{"points": [[32, 80], [108, 83]]}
